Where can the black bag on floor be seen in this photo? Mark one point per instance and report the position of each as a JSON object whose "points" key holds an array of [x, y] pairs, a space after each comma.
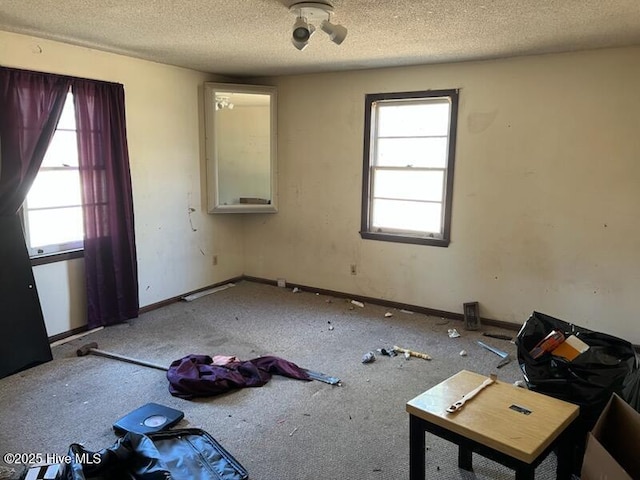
{"points": [[184, 454], [609, 366], [590, 379], [631, 390]]}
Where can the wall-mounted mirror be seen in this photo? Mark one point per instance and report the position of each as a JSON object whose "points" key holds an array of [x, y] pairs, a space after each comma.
{"points": [[240, 131]]}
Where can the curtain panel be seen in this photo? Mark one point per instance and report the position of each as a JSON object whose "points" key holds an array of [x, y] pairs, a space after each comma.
{"points": [[109, 239], [30, 106]]}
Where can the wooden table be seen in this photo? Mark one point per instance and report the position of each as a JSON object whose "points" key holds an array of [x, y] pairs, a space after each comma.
{"points": [[494, 424]]}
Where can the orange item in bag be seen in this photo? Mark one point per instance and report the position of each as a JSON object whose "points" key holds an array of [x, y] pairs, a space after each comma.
{"points": [[547, 344]]}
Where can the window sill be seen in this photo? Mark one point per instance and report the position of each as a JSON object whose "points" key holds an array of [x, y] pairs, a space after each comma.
{"points": [[56, 257], [399, 238]]}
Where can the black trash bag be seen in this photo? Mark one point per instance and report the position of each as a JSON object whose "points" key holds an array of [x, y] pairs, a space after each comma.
{"points": [[183, 454], [631, 390], [609, 366], [588, 380]]}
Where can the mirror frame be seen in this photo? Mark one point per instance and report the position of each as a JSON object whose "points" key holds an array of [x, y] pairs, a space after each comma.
{"points": [[213, 202]]}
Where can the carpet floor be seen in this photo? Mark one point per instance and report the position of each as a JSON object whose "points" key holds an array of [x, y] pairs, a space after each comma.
{"points": [[287, 429]]}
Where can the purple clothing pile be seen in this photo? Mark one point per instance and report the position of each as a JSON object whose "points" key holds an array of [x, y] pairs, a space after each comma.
{"points": [[197, 376]]}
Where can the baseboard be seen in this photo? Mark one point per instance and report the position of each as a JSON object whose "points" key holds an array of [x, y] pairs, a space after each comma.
{"points": [[154, 306], [388, 303], [67, 337], [68, 333], [169, 301], [400, 306], [376, 301]]}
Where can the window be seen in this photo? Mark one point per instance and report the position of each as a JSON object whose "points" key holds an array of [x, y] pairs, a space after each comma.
{"points": [[53, 208], [409, 151]]}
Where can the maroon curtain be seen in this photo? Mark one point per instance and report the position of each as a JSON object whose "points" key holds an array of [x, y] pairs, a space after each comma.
{"points": [[109, 243], [30, 107]]}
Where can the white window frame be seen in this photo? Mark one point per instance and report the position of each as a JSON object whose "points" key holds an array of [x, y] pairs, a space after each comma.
{"points": [[57, 248], [442, 236]]}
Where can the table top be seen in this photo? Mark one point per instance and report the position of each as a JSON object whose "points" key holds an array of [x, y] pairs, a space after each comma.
{"points": [[488, 419]]}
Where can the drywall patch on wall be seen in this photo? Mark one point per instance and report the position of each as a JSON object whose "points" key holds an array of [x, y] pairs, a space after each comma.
{"points": [[478, 122]]}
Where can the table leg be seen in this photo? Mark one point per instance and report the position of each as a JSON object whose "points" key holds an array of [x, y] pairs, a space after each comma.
{"points": [[525, 473], [569, 453], [416, 448], [465, 458]]}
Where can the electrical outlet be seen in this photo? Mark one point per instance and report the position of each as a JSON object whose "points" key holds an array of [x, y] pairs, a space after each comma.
{"points": [[214, 260], [354, 270], [282, 282]]}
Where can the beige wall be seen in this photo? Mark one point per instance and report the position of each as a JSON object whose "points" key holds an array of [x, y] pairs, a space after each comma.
{"points": [[545, 196], [546, 191], [164, 122], [62, 295]]}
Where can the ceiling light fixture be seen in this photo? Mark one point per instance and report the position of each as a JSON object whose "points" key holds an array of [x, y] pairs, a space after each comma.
{"points": [[301, 34], [310, 13], [337, 33], [223, 102]]}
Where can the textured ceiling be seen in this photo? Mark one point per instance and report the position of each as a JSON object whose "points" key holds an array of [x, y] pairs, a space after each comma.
{"points": [[252, 37]]}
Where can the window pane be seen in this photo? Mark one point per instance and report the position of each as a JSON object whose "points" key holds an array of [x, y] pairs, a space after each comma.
{"points": [[409, 184], [48, 227], [417, 152], [62, 151], [408, 216], [68, 118], [408, 164], [55, 188], [413, 119]]}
